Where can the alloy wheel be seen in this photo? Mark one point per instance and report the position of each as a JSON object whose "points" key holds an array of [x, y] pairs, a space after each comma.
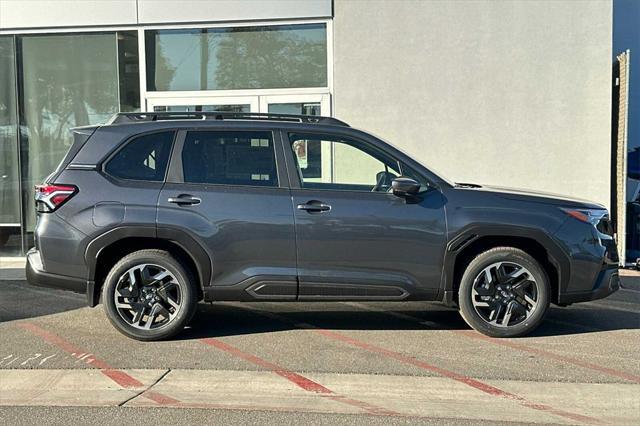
{"points": [[504, 294], [147, 296]]}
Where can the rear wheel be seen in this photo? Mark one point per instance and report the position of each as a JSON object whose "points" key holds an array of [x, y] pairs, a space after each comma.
{"points": [[149, 295], [504, 292]]}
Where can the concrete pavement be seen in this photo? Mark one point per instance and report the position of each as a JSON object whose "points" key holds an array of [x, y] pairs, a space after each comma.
{"points": [[326, 362], [404, 396]]}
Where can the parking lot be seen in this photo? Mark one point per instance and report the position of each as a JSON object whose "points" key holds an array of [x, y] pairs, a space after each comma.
{"points": [[346, 362]]}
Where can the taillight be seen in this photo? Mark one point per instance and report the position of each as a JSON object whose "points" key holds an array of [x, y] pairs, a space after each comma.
{"points": [[50, 197]]}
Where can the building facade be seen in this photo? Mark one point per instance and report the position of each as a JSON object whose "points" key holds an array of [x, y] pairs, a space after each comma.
{"points": [[506, 93]]}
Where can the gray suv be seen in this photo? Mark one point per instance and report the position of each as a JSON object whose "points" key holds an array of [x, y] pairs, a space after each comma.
{"points": [[157, 211]]}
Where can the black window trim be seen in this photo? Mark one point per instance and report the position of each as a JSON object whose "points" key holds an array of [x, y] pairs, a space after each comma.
{"points": [[102, 166], [176, 169]]}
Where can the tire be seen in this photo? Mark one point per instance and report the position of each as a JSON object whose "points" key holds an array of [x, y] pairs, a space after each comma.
{"points": [[172, 296], [523, 293]]}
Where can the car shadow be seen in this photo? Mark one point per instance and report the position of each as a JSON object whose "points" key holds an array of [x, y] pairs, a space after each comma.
{"points": [[19, 300], [222, 319], [587, 318]]}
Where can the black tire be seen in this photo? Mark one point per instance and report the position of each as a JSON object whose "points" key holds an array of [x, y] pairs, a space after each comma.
{"points": [[184, 283], [510, 256]]}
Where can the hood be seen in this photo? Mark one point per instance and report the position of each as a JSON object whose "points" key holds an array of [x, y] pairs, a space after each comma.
{"points": [[532, 196]]}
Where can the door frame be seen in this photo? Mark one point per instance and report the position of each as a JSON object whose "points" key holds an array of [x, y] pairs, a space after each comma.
{"points": [[322, 98], [252, 101], [258, 99]]}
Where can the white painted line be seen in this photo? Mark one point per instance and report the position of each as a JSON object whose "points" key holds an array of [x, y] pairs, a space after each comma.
{"points": [[43, 360], [32, 358]]}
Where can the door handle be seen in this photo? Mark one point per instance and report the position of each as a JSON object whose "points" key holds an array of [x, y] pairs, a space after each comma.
{"points": [[185, 200], [314, 206]]}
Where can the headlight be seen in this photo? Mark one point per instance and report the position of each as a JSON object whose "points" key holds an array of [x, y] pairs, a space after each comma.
{"points": [[597, 217], [592, 216]]}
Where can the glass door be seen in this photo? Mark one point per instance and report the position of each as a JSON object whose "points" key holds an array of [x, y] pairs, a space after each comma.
{"points": [[312, 104], [204, 104], [296, 104]]}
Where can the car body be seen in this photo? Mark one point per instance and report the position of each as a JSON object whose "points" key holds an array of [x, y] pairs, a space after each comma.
{"points": [[287, 234]]}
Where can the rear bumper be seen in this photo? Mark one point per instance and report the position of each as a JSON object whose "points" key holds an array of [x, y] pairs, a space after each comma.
{"points": [[38, 277], [606, 283]]}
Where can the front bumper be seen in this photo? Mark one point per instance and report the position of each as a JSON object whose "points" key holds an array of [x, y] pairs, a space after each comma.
{"points": [[38, 277], [606, 283]]}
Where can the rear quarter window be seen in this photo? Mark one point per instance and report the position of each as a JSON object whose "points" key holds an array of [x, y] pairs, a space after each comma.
{"points": [[142, 158]]}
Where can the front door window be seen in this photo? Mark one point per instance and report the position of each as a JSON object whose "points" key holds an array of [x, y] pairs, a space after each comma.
{"points": [[331, 162]]}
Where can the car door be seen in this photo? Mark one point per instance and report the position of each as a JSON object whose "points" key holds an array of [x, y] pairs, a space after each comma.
{"points": [[355, 239], [225, 190]]}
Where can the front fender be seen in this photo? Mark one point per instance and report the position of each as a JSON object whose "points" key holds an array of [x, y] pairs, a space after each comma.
{"points": [[468, 235]]}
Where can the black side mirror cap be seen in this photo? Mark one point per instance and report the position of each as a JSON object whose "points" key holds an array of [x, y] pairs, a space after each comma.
{"points": [[405, 186]]}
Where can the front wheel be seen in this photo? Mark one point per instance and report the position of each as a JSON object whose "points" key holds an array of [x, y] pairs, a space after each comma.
{"points": [[149, 295], [504, 292]]}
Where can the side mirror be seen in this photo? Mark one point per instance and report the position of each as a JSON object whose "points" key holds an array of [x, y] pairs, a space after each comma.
{"points": [[405, 186]]}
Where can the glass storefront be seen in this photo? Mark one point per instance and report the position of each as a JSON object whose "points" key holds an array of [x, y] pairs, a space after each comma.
{"points": [[66, 81], [50, 83], [306, 108], [10, 241], [203, 108], [284, 56]]}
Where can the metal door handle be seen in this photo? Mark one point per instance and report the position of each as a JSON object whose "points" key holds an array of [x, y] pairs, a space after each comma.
{"points": [[314, 206], [185, 200]]}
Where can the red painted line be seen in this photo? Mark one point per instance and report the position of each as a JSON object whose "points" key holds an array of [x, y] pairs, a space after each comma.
{"points": [[160, 399], [406, 359], [297, 379], [481, 386], [118, 376], [121, 378], [525, 348], [542, 352], [300, 381]]}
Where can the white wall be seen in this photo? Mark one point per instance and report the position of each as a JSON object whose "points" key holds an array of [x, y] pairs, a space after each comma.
{"points": [[511, 93], [65, 13], [157, 11], [28, 14]]}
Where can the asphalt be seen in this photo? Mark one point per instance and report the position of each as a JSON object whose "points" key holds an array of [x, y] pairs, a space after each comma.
{"points": [[270, 360], [117, 416]]}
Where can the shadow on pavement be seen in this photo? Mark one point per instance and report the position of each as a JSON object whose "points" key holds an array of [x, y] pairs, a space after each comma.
{"points": [[621, 311], [19, 300], [220, 320]]}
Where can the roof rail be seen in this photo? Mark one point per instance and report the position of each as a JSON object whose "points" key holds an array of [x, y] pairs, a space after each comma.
{"points": [[137, 117]]}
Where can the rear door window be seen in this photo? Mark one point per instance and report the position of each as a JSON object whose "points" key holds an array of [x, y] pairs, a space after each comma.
{"points": [[229, 158], [143, 158]]}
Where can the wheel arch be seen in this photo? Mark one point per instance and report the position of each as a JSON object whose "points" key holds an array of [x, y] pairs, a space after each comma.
{"points": [[474, 240], [105, 250]]}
